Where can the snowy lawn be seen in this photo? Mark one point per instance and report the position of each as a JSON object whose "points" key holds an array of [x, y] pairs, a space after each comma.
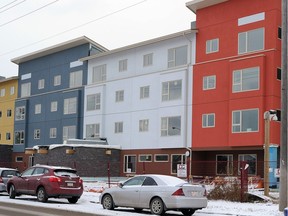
{"points": [[89, 203]]}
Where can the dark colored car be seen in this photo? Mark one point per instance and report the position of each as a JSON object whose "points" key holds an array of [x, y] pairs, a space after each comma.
{"points": [[5, 175], [47, 182]]}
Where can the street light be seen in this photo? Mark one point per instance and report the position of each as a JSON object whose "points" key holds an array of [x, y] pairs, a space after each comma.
{"points": [[268, 116]]}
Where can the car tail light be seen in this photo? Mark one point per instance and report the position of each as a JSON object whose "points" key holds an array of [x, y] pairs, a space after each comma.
{"points": [[179, 192], [54, 179], [1, 180], [80, 181]]}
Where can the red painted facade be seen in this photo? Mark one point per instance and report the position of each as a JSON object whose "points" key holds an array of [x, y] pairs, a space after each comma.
{"points": [[221, 21]]}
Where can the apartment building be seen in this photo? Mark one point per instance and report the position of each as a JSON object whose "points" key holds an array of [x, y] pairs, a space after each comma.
{"points": [[140, 97], [48, 109], [8, 95], [236, 78]]}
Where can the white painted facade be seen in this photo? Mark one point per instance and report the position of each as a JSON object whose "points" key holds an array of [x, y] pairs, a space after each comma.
{"points": [[133, 108]]}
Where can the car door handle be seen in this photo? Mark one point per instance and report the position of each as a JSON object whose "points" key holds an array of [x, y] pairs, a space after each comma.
{"points": [[38, 179]]}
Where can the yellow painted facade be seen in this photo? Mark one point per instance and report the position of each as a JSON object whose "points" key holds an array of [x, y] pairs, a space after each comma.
{"points": [[8, 95]]}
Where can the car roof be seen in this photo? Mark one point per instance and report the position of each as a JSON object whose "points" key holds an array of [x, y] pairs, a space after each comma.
{"points": [[164, 179], [53, 167], [5, 168]]}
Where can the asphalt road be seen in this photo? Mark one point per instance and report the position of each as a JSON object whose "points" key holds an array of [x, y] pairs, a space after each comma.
{"points": [[12, 209]]}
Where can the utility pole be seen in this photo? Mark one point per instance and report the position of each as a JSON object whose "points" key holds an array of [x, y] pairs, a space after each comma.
{"points": [[283, 140]]}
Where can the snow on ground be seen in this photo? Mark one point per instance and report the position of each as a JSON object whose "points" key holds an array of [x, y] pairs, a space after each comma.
{"points": [[89, 203]]}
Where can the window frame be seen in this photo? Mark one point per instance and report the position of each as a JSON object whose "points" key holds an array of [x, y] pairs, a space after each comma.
{"points": [[143, 125], [243, 81], [144, 92], [37, 133], [76, 79], [123, 65], [119, 96], [169, 128], [240, 124], [246, 41], [149, 159], [99, 73], [96, 102], [118, 127], [69, 107], [147, 59], [205, 122], [207, 81], [170, 94], [229, 165], [174, 54], [161, 161], [210, 45]]}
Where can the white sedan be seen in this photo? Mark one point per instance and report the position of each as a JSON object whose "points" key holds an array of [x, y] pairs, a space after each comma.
{"points": [[159, 193]]}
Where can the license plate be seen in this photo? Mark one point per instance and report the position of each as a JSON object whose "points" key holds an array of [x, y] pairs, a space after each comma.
{"points": [[70, 184]]}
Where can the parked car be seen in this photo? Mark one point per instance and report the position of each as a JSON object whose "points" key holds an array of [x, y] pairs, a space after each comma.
{"points": [[5, 175], [158, 193], [46, 182]]}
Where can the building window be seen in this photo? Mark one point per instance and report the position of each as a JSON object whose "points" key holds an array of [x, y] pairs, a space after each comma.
{"points": [[144, 92], [177, 56], [209, 82], [41, 84], [75, 79], [53, 133], [70, 105], [245, 121], [251, 159], [94, 102], [118, 127], [161, 158], [143, 125], [8, 136], [25, 89], [20, 113], [224, 164], [172, 90], [279, 32], [212, 45], [92, 131], [19, 159], [37, 134], [208, 120], [54, 106], [171, 126], [99, 74], [119, 96], [251, 41], [2, 92], [57, 80], [246, 79], [12, 90], [123, 65], [177, 159], [9, 113], [147, 59], [129, 163], [69, 132], [145, 158], [279, 73], [37, 108], [19, 137]]}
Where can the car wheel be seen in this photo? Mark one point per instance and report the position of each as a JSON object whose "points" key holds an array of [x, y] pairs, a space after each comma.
{"points": [[157, 206], [188, 212], [107, 202], [73, 200], [12, 192], [41, 195]]}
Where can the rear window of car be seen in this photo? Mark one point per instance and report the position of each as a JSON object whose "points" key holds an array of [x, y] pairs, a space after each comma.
{"points": [[68, 173], [7, 173]]}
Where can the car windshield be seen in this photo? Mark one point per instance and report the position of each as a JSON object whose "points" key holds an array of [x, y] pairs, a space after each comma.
{"points": [[68, 173]]}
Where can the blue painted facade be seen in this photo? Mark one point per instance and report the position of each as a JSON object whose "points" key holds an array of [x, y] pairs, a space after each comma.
{"points": [[46, 67]]}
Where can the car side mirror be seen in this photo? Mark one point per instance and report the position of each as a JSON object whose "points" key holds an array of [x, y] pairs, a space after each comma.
{"points": [[120, 185]]}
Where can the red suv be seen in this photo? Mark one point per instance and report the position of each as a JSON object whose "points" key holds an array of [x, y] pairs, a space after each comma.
{"points": [[47, 182]]}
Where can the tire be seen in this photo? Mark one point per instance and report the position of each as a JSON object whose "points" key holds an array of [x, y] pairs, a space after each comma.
{"points": [[107, 202], [73, 200], [12, 192], [41, 195], [188, 212], [157, 206]]}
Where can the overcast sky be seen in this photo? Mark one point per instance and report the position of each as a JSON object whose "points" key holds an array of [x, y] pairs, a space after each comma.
{"points": [[30, 25]]}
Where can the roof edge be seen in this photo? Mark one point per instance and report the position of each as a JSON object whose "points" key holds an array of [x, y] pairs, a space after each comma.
{"points": [[143, 43]]}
